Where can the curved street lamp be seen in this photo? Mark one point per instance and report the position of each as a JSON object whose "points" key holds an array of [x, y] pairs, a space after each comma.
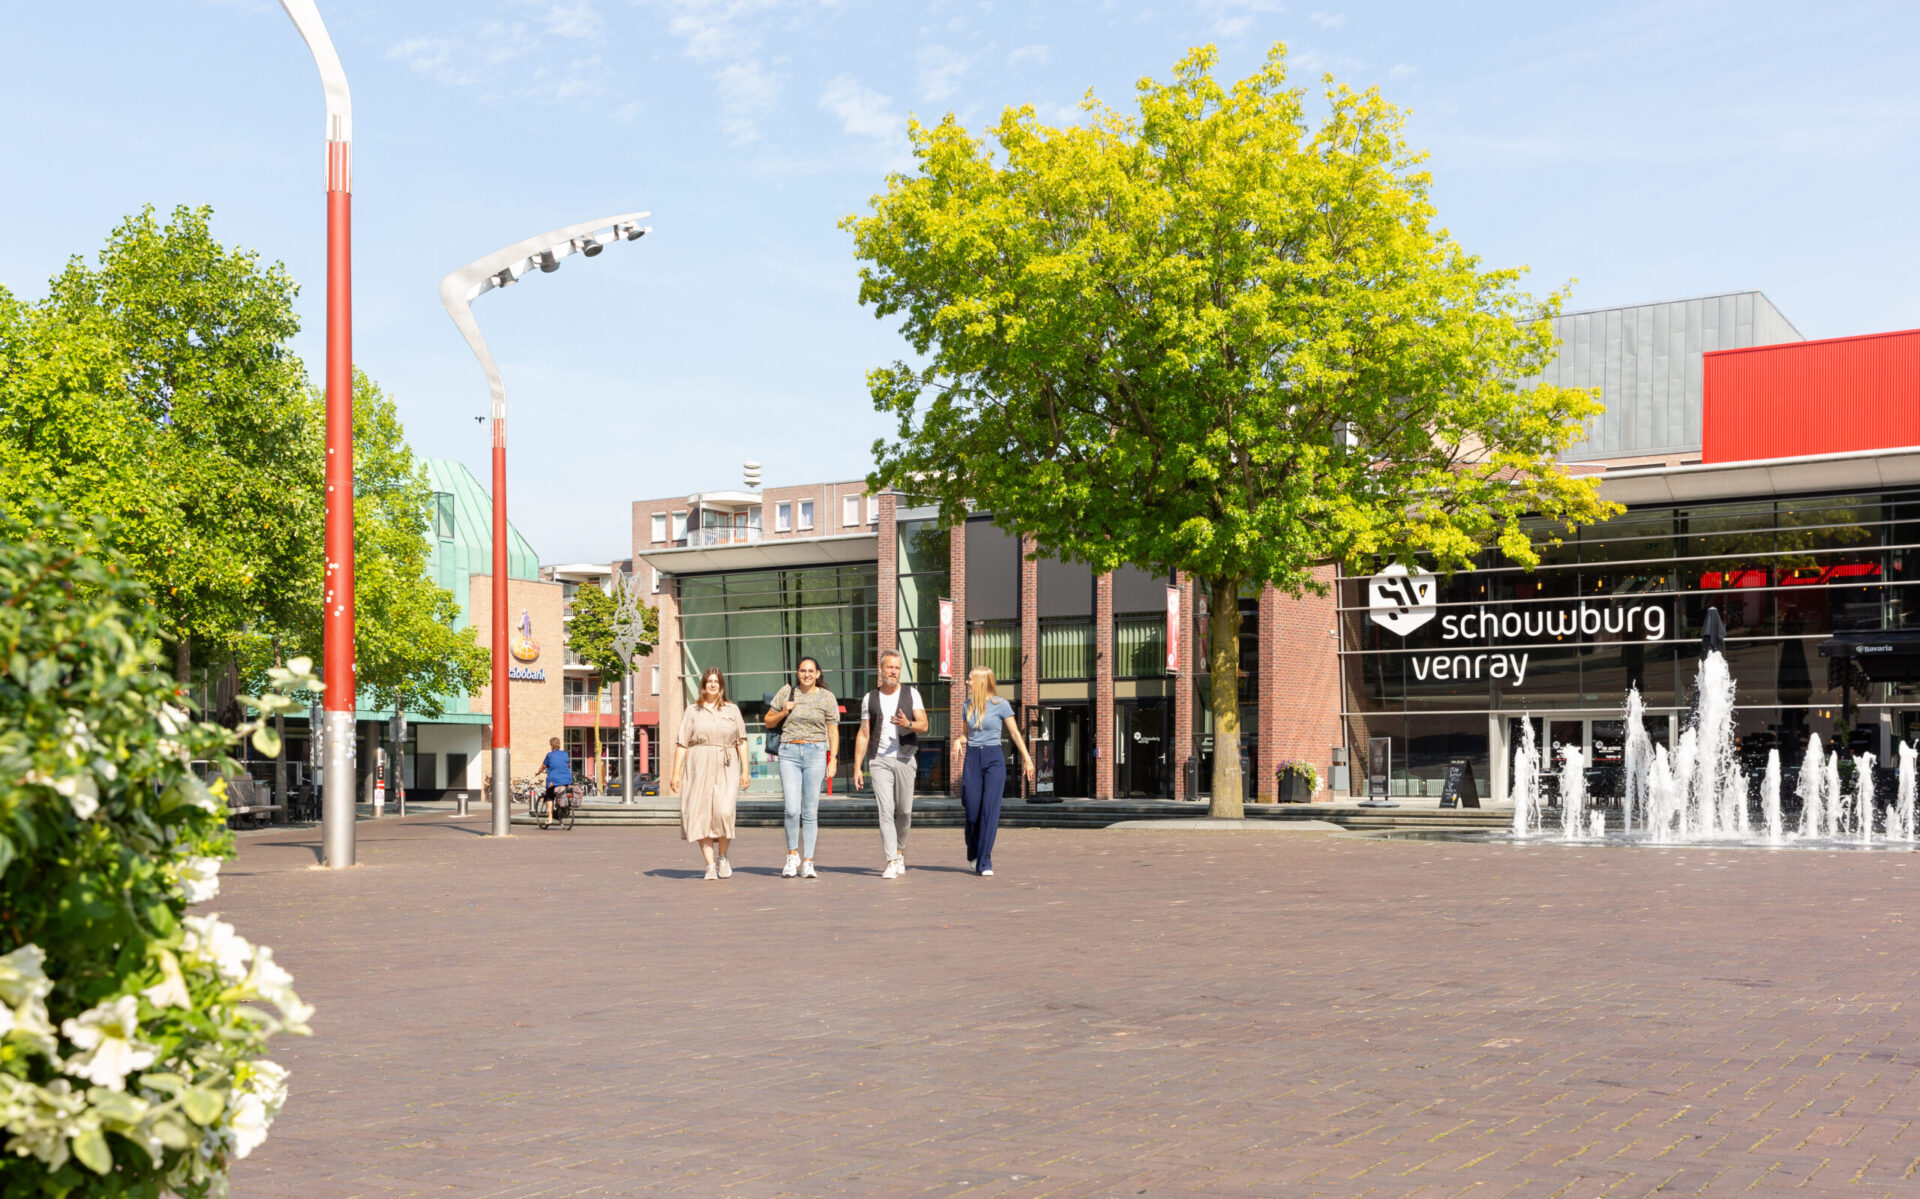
{"points": [[336, 731], [503, 268]]}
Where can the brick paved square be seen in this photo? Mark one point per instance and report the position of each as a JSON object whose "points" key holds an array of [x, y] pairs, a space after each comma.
{"points": [[1117, 1013]]}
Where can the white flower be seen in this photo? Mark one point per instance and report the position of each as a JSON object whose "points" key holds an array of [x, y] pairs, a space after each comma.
{"points": [[214, 940], [108, 1034], [199, 878], [272, 983], [172, 720], [23, 1001], [254, 1103], [79, 789], [42, 1119], [80, 740], [171, 990]]}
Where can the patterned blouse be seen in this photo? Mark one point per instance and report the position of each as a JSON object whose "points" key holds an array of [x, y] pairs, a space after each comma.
{"points": [[813, 719]]}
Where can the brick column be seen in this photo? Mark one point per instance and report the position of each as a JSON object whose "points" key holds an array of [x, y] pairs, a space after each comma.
{"points": [[1300, 692], [889, 549], [1029, 654], [1103, 744], [1183, 690], [957, 691], [668, 656]]}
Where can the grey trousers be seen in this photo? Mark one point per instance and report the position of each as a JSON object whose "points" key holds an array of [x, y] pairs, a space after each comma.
{"points": [[893, 792]]}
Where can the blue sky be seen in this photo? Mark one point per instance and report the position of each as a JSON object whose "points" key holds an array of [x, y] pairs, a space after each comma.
{"points": [[1649, 151]]}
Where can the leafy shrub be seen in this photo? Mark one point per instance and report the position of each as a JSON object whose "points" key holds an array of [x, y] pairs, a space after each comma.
{"points": [[132, 1035]]}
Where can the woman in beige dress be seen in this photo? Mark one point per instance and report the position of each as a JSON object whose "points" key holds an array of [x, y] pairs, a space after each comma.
{"points": [[710, 751]]}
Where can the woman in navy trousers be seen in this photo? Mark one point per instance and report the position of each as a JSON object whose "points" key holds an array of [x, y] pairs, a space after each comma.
{"points": [[985, 775]]}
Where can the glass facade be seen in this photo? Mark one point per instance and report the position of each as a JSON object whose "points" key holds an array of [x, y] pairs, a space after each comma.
{"points": [[1622, 604], [756, 626]]}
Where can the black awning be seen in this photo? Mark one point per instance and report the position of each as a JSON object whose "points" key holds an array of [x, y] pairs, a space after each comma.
{"points": [[1886, 656]]}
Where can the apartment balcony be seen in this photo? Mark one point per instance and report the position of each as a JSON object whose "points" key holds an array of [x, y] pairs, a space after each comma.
{"points": [[704, 538]]}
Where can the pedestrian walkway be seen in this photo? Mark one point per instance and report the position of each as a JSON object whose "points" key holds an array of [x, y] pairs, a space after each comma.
{"points": [[1117, 1013]]}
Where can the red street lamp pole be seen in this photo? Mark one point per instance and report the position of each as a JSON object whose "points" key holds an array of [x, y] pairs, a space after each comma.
{"points": [[337, 731]]}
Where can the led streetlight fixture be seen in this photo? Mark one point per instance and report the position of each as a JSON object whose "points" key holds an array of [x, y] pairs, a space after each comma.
{"points": [[457, 293]]}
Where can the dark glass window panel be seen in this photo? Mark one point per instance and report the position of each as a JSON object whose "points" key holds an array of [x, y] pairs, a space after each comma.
{"points": [[993, 572], [1539, 584], [924, 547], [1136, 591]]}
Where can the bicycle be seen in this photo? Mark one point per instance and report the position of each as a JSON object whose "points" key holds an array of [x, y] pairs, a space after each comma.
{"points": [[560, 809], [588, 787]]}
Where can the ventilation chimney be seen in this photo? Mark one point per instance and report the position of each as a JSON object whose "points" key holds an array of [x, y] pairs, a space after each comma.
{"points": [[751, 472]]}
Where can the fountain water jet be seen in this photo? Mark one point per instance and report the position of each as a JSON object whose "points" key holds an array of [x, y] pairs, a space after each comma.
{"points": [[1863, 796], [1526, 782], [1770, 795], [1902, 810], [1810, 788], [1573, 791], [1639, 750]]}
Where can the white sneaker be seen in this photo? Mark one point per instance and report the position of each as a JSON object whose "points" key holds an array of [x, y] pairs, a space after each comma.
{"points": [[713, 872], [792, 867], [973, 866], [726, 869], [892, 870], [806, 870], [987, 873]]}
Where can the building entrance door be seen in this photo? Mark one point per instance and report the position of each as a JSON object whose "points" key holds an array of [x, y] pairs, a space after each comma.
{"points": [[1067, 731], [1601, 740], [1142, 749]]}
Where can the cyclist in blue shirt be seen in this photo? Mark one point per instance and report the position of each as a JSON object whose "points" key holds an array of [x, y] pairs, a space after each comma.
{"points": [[556, 767]]}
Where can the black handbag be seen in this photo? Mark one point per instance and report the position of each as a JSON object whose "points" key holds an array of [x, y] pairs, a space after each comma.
{"points": [[773, 735]]}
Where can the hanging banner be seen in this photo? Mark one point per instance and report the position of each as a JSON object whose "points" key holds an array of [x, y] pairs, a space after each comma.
{"points": [[1173, 630], [946, 639]]}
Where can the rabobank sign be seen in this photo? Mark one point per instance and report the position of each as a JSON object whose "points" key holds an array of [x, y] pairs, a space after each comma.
{"points": [[1403, 602]]}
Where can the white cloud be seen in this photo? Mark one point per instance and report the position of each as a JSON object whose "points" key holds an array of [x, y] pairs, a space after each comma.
{"points": [[726, 35], [1038, 55], [1328, 20], [535, 58], [1401, 70], [863, 112], [1231, 18], [747, 92], [940, 72]]}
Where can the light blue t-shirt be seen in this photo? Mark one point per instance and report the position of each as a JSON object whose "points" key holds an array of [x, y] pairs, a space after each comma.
{"points": [[999, 711], [559, 770]]}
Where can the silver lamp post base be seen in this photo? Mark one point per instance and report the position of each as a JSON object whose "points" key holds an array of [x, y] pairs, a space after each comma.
{"points": [[502, 796], [337, 790]]}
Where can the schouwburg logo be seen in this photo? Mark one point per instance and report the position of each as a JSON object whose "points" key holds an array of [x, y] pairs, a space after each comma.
{"points": [[1399, 601]]}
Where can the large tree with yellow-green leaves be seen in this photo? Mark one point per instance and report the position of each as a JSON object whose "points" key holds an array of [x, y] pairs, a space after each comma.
{"points": [[1219, 337]]}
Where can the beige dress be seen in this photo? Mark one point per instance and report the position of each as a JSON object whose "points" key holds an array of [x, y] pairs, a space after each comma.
{"points": [[712, 774]]}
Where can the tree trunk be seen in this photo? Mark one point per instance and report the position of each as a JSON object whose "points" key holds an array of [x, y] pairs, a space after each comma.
{"points": [[1223, 659], [599, 691], [183, 665]]}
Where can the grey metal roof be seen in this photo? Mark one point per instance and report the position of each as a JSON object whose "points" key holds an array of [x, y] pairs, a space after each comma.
{"points": [[1645, 359]]}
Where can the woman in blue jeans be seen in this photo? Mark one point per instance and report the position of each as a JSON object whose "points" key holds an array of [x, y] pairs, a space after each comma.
{"points": [[984, 777], [808, 720]]}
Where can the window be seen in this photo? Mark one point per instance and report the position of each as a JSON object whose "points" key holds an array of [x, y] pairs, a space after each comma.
{"points": [[659, 526], [1066, 649], [655, 571], [656, 680], [680, 526], [850, 510], [1139, 646], [782, 518], [443, 515], [806, 514], [873, 509], [995, 646]]}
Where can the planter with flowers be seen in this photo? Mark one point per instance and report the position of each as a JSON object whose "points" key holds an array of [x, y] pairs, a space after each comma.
{"points": [[1299, 781]]}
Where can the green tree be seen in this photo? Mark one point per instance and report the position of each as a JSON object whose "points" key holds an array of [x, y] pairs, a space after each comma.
{"points": [[1215, 339], [407, 653], [593, 636], [156, 388]]}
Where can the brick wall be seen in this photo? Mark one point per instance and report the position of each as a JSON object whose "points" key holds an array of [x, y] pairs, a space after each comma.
{"points": [[957, 690], [1103, 755], [1299, 683], [1183, 691], [535, 708]]}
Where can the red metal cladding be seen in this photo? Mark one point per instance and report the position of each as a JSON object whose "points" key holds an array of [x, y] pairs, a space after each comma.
{"points": [[1812, 397]]}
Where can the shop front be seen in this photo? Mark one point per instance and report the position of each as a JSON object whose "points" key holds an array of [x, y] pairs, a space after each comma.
{"points": [[1447, 667]]}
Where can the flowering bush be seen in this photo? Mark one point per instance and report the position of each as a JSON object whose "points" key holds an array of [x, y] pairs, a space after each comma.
{"points": [[132, 1035]]}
